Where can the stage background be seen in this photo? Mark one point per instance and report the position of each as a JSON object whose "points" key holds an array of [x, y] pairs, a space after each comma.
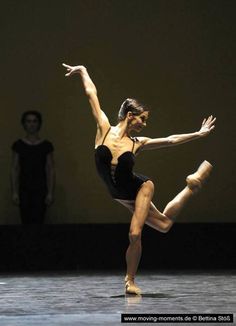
{"points": [[177, 57]]}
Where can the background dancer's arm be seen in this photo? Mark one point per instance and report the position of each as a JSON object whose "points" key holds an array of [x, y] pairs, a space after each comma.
{"points": [[154, 143], [15, 172], [50, 174], [91, 91]]}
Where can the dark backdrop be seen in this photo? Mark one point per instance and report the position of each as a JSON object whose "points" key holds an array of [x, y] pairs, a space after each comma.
{"points": [[175, 56]]}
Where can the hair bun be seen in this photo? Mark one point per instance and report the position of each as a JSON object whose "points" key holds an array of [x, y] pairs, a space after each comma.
{"points": [[131, 105]]}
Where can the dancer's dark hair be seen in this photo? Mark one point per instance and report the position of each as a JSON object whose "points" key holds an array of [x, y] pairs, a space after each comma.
{"points": [[130, 105]]}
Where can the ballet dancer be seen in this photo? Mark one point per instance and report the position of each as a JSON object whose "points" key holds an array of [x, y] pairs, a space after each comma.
{"points": [[115, 152]]}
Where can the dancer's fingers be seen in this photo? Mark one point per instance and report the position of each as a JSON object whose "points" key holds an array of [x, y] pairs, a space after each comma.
{"points": [[212, 121], [209, 119], [66, 66]]}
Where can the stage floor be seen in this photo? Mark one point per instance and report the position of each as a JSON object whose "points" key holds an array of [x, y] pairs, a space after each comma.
{"points": [[97, 298]]}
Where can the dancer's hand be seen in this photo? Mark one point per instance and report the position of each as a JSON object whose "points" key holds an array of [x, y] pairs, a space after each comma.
{"points": [[73, 69], [207, 126]]}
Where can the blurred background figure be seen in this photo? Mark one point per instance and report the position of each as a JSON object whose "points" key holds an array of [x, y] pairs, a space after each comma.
{"points": [[32, 172]]}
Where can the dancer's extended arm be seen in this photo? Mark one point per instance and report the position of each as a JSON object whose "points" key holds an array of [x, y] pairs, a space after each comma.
{"points": [[154, 143], [91, 92]]}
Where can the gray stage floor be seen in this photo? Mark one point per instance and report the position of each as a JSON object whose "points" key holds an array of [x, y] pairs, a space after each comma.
{"points": [[50, 299]]}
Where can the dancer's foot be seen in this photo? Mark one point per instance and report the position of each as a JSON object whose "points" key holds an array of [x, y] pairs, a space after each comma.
{"points": [[130, 286], [196, 180]]}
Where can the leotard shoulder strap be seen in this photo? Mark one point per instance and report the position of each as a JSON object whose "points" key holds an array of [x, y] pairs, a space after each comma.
{"points": [[133, 140], [106, 135]]}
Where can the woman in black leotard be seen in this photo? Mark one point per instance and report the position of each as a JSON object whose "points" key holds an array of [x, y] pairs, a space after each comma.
{"points": [[119, 177], [115, 152]]}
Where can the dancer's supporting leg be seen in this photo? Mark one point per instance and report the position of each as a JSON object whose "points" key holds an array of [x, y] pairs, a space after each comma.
{"points": [[144, 211], [133, 254]]}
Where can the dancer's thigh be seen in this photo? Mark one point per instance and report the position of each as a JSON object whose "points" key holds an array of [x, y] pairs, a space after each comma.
{"points": [[155, 218]]}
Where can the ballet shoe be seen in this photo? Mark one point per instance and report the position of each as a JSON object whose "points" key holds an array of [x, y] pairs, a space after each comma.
{"points": [[196, 180], [131, 287]]}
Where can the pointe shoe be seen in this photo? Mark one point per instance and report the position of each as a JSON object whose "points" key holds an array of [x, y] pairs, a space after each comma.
{"points": [[131, 287], [196, 180]]}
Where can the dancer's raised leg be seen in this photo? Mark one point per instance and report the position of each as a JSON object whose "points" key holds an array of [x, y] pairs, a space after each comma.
{"points": [[164, 221]]}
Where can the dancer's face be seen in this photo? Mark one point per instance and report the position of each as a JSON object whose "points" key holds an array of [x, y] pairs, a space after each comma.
{"points": [[31, 124], [138, 122]]}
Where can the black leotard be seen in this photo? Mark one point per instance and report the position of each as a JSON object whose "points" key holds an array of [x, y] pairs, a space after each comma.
{"points": [[122, 182]]}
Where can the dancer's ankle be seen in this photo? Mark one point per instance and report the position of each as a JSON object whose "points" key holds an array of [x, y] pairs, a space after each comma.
{"points": [[197, 179]]}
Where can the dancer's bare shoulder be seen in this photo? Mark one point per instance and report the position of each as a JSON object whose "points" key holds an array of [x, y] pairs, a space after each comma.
{"points": [[102, 130], [139, 143]]}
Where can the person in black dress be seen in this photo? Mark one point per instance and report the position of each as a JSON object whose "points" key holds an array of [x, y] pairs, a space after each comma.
{"points": [[32, 171], [115, 152]]}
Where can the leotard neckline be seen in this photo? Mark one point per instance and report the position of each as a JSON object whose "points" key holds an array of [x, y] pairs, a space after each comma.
{"points": [[102, 144]]}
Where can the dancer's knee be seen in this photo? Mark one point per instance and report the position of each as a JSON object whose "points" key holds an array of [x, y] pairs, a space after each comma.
{"points": [[148, 188], [135, 236], [166, 225]]}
